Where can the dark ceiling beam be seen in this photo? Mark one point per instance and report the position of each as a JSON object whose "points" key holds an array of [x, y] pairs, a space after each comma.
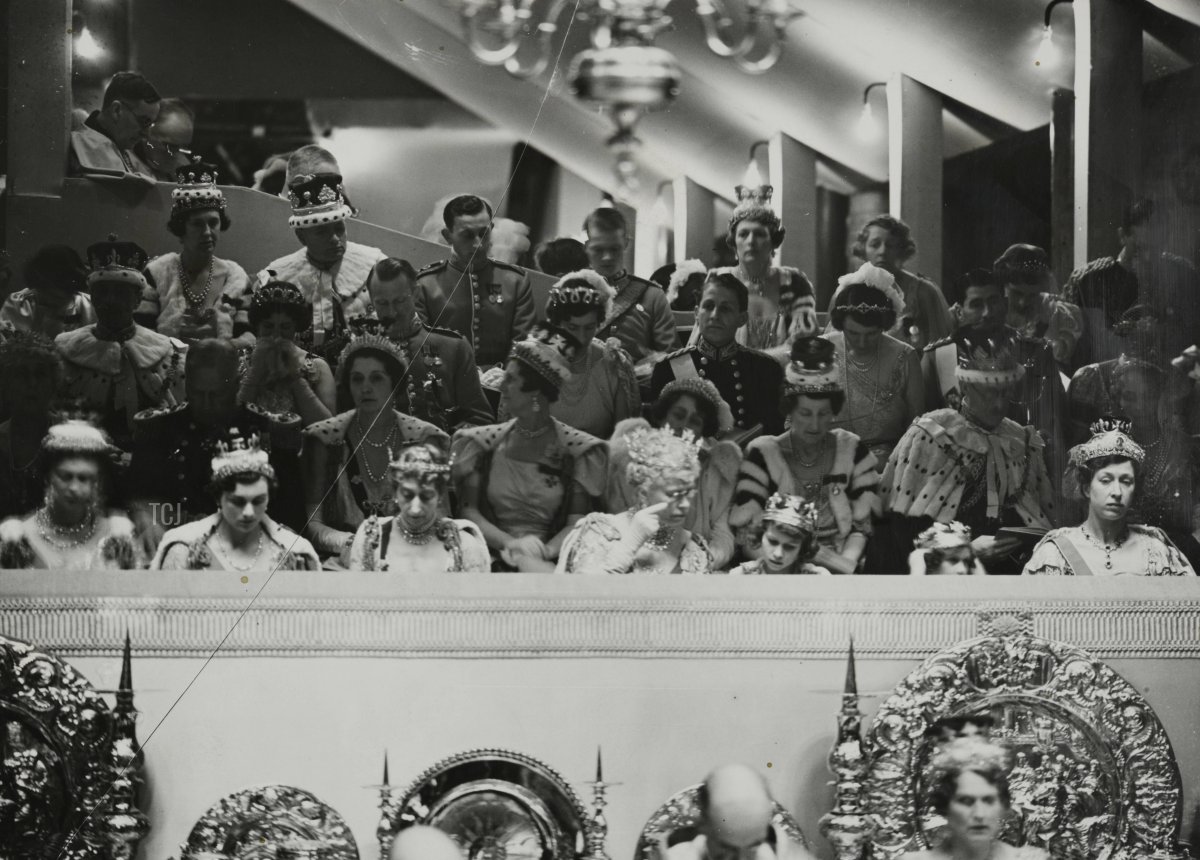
{"points": [[1178, 34]]}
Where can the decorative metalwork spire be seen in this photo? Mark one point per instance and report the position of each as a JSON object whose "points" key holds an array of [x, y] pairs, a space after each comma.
{"points": [[127, 824], [847, 827], [597, 831], [389, 810]]}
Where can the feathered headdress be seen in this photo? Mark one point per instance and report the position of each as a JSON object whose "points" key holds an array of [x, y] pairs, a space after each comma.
{"points": [[880, 280], [684, 272]]}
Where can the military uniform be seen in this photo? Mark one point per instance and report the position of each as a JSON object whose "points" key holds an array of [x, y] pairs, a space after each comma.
{"points": [[172, 461], [641, 318], [442, 384], [491, 308], [749, 381]]}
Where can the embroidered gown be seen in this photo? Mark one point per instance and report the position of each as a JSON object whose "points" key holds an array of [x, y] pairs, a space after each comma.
{"points": [[1058, 554], [604, 543], [458, 547], [188, 547]]}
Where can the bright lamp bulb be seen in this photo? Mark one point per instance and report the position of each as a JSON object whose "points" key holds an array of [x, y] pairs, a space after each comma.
{"points": [[867, 128], [87, 47], [1046, 55], [752, 178]]}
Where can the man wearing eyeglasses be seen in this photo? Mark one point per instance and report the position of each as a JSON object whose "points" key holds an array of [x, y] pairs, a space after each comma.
{"points": [[737, 813], [169, 145], [104, 145]]}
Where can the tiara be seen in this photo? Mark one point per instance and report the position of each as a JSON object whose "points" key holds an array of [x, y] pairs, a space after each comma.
{"points": [[598, 293], [1110, 438], [657, 453], [363, 335], [880, 280], [240, 455], [966, 753], [77, 436], [683, 272], [419, 461], [701, 387], [813, 368], [943, 536], [547, 352], [278, 293], [794, 512]]}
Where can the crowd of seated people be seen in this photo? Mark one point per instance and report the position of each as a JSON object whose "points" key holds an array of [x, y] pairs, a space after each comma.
{"points": [[342, 409]]}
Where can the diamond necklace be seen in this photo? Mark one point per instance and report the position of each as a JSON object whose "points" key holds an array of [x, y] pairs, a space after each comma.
{"points": [[228, 559], [532, 434], [1108, 548], [417, 538], [195, 299], [75, 535]]}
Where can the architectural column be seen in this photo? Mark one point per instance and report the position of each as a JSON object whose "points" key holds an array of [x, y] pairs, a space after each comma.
{"points": [[915, 155], [647, 255], [1108, 108], [694, 221], [794, 176], [39, 97], [1062, 185]]}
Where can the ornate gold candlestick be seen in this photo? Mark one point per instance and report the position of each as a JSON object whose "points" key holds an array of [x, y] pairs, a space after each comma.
{"points": [[847, 826]]}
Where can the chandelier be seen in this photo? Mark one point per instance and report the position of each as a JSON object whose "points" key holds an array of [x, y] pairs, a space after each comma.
{"points": [[623, 71]]}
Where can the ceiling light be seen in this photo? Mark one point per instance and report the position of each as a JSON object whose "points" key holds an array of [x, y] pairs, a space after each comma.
{"points": [[1046, 55], [87, 47], [868, 128]]}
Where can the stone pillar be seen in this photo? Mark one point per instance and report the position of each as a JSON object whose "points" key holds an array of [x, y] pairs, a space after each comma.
{"points": [[915, 155], [39, 97], [794, 176], [694, 221], [646, 252], [1062, 185], [1108, 113]]}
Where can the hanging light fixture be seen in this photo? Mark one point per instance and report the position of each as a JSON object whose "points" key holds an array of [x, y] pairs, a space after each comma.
{"points": [[753, 187], [623, 71], [86, 46], [1046, 55], [868, 128]]}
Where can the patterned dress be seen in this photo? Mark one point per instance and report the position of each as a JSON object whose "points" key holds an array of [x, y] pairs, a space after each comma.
{"points": [[604, 543], [1057, 554]]}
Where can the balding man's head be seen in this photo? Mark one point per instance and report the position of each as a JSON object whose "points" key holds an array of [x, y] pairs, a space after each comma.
{"points": [[737, 811], [424, 843]]}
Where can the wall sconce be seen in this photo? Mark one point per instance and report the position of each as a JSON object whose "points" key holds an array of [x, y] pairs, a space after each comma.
{"points": [[86, 46], [753, 187], [1047, 54], [868, 127]]}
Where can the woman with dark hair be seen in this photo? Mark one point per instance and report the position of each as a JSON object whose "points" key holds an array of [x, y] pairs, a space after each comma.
{"points": [[789, 538], [527, 481], [944, 549], [689, 405], [30, 373], [55, 297], [418, 538], [887, 242], [782, 299], [829, 466], [72, 529], [969, 789], [557, 257], [282, 377], [346, 457], [193, 294], [1034, 308], [239, 536], [881, 375], [602, 388], [1108, 472]]}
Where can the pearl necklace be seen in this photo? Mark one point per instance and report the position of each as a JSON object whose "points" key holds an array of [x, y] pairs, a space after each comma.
{"points": [[75, 535], [1108, 548], [751, 282], [228, 559], [195, 299], [417, 538], [387, 440]]}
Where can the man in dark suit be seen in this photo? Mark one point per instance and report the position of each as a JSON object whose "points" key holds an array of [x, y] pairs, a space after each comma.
{"points": [[749, 381], [488, 302], [442, 382]]}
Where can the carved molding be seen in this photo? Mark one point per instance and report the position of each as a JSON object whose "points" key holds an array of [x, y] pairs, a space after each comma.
{"points": [[641, 619]]}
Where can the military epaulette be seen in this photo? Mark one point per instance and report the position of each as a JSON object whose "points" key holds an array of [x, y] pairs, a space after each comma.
{"points": [[433, 268], [937, 344], [687, 350], [157, 412], [445, 332], [279, 419], [500, 264]]}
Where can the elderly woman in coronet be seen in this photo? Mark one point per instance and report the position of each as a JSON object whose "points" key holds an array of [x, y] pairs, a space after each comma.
{"points": [[827, 465], [417, 538], [193, 294], [1108, 475], [346, 457], [690, 405], [881, 376], [240, 536], [650, 537], [72, 529], [602, 388], [527, 481]]}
